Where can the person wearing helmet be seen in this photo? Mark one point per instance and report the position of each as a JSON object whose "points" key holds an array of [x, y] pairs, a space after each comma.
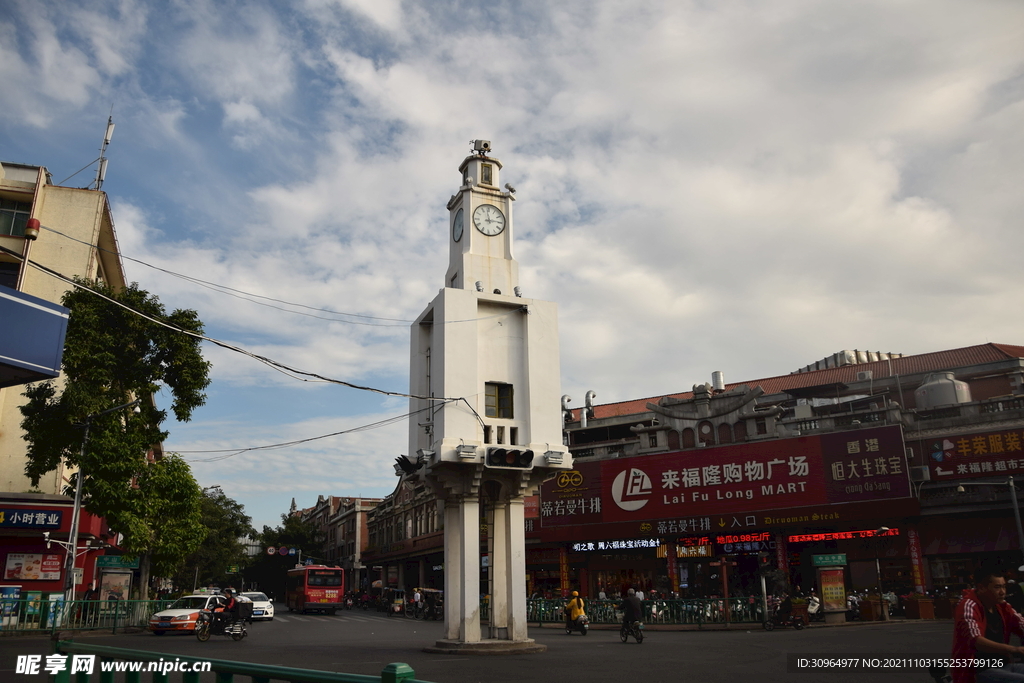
{"points": [[573, 610]]}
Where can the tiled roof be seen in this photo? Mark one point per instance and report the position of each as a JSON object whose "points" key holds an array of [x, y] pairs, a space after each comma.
{"points": [[906, 365]]}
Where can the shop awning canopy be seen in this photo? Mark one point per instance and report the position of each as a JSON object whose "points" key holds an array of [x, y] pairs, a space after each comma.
{"points": [[31, 338]]}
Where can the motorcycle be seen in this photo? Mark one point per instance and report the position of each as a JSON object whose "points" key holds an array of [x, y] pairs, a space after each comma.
{"points": [[349, 603], [581, 625], [636, 629], [208, 625]]}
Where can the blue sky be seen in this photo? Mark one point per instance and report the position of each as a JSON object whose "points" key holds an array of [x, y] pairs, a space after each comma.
{"points": [[736, 186]]}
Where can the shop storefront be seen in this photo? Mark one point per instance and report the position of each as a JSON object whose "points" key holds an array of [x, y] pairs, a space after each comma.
{"points": [[664, 522]]}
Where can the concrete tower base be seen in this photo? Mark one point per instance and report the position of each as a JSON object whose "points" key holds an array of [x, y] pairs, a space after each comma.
{"points": [[487, 646]]}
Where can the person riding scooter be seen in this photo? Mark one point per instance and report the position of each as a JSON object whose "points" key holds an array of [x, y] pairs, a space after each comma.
{"points": [[573, 611]]}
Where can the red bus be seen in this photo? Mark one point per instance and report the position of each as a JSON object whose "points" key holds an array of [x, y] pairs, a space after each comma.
{"points": [[315, 587]]}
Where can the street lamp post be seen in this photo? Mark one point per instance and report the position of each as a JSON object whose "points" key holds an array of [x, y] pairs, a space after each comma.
{"points": [[76, 510]]}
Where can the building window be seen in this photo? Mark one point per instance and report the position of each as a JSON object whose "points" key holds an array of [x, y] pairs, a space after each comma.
{"points": [[652, 440], [13, 216], [485, 174], [498, 400], [501, 434], [513, 436], [762, 425], [487, 433]]}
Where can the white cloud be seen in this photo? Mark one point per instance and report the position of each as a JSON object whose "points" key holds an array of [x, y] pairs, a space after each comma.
{"points": [[701, 186]]}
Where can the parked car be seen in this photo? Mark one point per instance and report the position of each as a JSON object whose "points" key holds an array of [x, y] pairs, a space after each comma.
{"points": [[262, 607], [180, 616]]}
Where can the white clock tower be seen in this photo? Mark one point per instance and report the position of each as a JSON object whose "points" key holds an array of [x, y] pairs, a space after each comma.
{"points": [[494, 354], [481, 230]]}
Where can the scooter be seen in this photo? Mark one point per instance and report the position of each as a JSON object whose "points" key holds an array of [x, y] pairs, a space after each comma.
{"points": [[777, 621], [814, 610], [581, 625]]}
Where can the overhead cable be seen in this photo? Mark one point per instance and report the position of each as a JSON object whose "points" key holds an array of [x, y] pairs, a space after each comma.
{"points": [[295, 373], [231, 452], [243, 295]]}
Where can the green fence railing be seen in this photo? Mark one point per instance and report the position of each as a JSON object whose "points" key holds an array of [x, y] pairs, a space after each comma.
{"points": [[28, 615], [696, 611], [102, 663]]}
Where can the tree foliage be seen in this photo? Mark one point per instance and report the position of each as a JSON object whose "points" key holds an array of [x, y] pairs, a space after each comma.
{"points": [[175, 509], [111, 357], [293, 532], [226, 525], [269, 571]]}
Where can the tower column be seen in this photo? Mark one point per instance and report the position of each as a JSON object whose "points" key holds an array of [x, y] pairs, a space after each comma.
{"points": [[515, 564], [462, 569], [498, 569]]}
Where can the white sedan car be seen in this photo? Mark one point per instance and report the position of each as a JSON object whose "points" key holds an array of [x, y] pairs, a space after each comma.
{"points": [[262, 607]]}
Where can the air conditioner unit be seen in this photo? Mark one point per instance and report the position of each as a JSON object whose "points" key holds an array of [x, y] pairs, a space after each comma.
{"points": [[863, 375], [803, 412], [919, 474]]}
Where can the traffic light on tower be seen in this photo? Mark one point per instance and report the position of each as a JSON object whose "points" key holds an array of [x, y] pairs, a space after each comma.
{"points": [[510, 458], [764, 562]]}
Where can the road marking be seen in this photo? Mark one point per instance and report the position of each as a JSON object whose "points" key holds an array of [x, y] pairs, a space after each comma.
{"points": [[277, 618]]}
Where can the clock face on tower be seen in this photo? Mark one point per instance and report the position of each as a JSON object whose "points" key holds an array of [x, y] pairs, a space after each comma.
{"points": [[489, 220], [457, 226]]}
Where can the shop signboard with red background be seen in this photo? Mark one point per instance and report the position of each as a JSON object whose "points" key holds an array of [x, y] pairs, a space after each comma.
{"points": [[800, 481], [986, 454]]}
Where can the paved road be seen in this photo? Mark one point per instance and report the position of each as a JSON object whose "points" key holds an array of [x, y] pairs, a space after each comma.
{"points": [[364, 642]]}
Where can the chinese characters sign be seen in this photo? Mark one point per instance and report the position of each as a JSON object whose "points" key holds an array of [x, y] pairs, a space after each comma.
{"points": [[833, 590], [606, 546], [31, 519], [682, 491], [989, 454]]}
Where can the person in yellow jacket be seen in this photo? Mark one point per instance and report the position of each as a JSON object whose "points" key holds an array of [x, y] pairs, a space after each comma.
{"points": [[573, 610]]}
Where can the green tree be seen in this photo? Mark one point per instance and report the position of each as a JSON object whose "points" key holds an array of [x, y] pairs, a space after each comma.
{"points": [[112, 356], [226, 525], [293, 532]]}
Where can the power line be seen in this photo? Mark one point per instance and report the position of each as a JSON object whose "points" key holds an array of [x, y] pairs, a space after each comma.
{"points": [[295, 373], [231, 452], [240, 294]]}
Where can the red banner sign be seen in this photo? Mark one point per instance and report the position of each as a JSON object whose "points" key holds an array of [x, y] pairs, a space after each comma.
{"points": [[738, 481]]}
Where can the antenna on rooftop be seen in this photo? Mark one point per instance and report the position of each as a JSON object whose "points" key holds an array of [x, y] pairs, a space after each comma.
{"points": [[101, 170]]}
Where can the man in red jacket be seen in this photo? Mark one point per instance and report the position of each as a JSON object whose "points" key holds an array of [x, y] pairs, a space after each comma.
{"points": [[981, 629]]}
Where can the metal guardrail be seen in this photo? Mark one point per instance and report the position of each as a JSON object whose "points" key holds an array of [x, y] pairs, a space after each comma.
{"points": [[27, 615], [225, 670], [697, 611]]}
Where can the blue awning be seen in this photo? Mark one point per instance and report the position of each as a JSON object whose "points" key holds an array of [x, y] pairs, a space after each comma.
{"points": [[31, 338]]}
